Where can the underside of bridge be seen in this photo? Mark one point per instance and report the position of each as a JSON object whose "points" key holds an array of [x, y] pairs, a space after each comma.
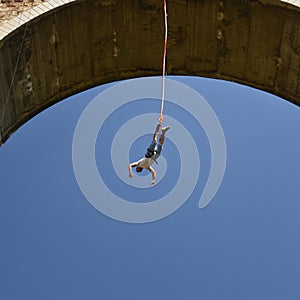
{"points": [[85, 43]]}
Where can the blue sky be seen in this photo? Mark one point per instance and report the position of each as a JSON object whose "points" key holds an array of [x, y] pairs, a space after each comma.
{"points": [[243, 245]]}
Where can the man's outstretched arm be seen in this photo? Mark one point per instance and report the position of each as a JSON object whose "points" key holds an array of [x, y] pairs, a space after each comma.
{"points": [[130, 166], [153, 175]]}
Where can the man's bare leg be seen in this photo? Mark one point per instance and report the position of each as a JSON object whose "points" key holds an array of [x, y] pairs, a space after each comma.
{"points": [[158, 126], [162, 137]]}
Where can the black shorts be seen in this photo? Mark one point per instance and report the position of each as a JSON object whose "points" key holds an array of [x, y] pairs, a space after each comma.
{"points": [[151, 150]]}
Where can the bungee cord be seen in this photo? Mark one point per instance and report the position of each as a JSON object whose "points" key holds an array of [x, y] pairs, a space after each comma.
{"points": [[161, 118]]}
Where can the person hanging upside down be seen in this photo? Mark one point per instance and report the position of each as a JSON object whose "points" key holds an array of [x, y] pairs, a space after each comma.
{"points": [[153, 152]]}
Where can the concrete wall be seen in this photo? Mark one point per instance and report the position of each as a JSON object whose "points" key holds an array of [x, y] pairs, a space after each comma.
{"points": [[90, 42], [11, 8]]}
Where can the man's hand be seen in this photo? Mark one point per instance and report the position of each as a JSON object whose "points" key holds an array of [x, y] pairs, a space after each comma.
{"points": [[153, 175], [130, 168]]}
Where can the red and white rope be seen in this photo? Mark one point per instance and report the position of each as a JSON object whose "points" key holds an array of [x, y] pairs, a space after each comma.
{"points": [[164, 64]]}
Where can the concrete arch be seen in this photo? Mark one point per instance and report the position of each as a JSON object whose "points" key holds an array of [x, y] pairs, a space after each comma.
{"points": [[85, 43]]}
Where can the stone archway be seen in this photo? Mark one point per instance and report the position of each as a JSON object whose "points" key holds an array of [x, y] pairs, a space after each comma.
{"points": [[72, 47]]}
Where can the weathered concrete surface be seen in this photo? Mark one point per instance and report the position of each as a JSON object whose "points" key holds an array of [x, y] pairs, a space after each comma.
{"points": [[11, 8], [90, 42], [15, 13]]}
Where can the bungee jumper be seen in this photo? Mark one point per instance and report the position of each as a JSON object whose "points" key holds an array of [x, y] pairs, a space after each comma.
{"points": [[153, 152]]}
